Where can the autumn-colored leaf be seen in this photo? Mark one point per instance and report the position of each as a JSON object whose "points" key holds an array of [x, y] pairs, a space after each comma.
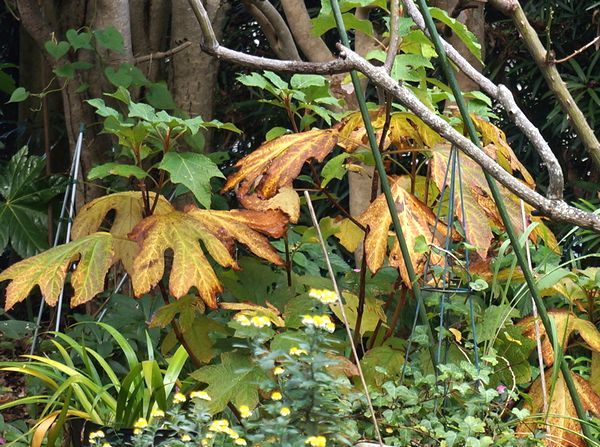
{"points": [[129, 211], [48, 270], [278, 162], [286, 200], [181, 231], [416, 219], [562, 422], [566, 324]]}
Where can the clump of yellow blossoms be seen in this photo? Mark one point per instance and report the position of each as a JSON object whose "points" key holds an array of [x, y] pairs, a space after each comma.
{"points": [[297, 351], [139, 425], [285, 411], [276, 395], [278, 371], [95, 435], [158, 414], [319, 321], [316, 441], [257, 321], [245, 411], [323, 295], [179, 398], [200, 395]]}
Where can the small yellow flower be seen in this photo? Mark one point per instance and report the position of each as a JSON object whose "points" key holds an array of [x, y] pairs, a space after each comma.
{"points": [[242, 319], [308, 320], [209, 435], [245, 411], [240, 441], [200, 395], [179, 398], [260, 321], [137, 431], [186, 438], [204, 442], [285, 411], [316, 441], [278, 371], [96, 434], [219, 425], [323, 295], [276, 395], [106, 444], [389, 430], [297, 351], [140, 423], [158, 414], [231, 433]]}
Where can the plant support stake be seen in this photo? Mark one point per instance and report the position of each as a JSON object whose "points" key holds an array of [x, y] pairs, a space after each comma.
{"points": [[385, 185], [462, 106]]}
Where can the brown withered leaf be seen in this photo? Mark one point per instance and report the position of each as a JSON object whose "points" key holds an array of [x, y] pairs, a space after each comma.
{"points": [[182, 231], [567, 324], [481, 213], [286, 200], [48, 270], [416, 220], [278, 162], [129, 211], [562, 425]]}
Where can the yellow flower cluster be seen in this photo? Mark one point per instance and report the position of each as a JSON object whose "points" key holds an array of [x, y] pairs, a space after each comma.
{"points": [[257, 321], [323, 295], [95, 435], [278, 371], [140, 424], [222, 426], [294, 350], [179, 398], [276, 395], [285, 411], [245, 411], [320, 321], [316, 441], [200, 395]]}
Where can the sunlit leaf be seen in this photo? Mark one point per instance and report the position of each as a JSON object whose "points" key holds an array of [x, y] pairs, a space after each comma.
{"points": [[278, 162], [286, 200], [373, 312], [128, 208], [251, 310], [93, 255]]}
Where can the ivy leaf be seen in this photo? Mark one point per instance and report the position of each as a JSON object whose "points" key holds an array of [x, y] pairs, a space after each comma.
{"points": [[48, 270], [192, 170], [180, 232], [110, 38], [57, 49], [18, 95], [278, 162], [566, 324], [119, 169], [24, 197], [233, 380], [79, 40], [129, 211], [562, 421]]}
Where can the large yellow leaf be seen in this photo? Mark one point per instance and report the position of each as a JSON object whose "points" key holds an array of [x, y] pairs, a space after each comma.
{"points": [[567, 324], [48, 270], [562, 425], [286, 200], [181, 231], [278, 162], [416, 220], [129, 211]]}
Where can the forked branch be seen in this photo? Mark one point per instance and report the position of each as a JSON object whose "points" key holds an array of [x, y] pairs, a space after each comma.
{"points": [[549, 206]]}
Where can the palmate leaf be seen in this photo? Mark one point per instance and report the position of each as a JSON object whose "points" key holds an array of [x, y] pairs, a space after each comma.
{"points": [[48, 270], [566, 324], [278, 162], [416, 220], [233, 380], [181, 231], [480, 210], [24, 197], [562, 422], [286, 200], [129, 211]]}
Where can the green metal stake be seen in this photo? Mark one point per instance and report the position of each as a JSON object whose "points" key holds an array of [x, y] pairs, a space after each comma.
{"points": [[462, 106], [385, 185]]}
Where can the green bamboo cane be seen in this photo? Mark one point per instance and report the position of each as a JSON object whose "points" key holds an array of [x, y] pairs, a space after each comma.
{"points": [[385, 185], [543, 313]]}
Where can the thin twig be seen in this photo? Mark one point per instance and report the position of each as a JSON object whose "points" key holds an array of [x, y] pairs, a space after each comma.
{"points": [[162, 54], [576, 52], [313, 217], [394, 36]]}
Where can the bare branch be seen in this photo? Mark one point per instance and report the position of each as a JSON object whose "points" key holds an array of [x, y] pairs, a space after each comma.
{"points": [[505, 97], [275, 28], [162, 54], [392, 49], [576, 52], [555, 209], [298, 19], [513, 9]]}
